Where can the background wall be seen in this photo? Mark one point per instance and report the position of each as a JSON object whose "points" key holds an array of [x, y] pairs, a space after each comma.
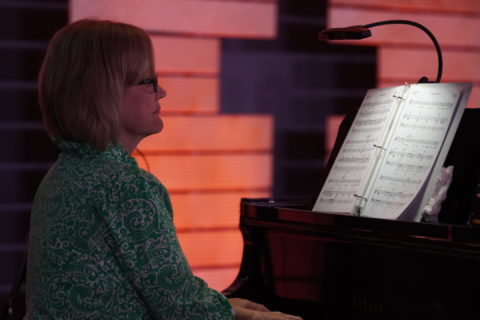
{"points": [[252, 108], [26, 151], [406, 53]]}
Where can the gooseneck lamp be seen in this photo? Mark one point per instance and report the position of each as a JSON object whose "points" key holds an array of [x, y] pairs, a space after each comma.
{"points": [[363, 31]]}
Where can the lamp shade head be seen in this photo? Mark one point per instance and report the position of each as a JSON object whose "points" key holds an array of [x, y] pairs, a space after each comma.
{"points": [[354, 32]]}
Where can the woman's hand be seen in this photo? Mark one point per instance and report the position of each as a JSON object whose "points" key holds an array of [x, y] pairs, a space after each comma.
{"points": [[248, 310]]}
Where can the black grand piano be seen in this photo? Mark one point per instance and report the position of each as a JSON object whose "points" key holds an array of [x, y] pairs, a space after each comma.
{"points": [[326, 266]]}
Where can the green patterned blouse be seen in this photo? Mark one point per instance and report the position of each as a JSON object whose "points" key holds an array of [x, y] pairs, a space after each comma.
{"points": [[103, 245]]}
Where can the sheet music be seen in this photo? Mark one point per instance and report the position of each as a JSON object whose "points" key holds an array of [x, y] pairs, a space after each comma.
{"points": [[412, 150], [355, 159]]}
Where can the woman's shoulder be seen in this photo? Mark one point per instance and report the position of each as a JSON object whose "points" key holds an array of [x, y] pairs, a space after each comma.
{"points": [[107, 178], [129, 181]]}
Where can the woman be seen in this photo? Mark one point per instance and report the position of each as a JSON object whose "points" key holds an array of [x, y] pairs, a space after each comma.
{"points": [[102, 242]]}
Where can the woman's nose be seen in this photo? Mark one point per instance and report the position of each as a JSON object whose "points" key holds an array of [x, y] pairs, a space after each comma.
{"points": [[161, 93]]}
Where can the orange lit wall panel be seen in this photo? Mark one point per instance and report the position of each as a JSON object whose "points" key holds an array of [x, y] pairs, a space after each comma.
{"points": [[457, 64], [201, 248], [212, 172], [445, 6], [186, 55], [190, 94], [210, 209], [212, 18], [228, 133]]}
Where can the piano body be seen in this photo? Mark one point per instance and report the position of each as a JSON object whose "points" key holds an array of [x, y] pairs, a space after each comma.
{"points": [[325, 266]]}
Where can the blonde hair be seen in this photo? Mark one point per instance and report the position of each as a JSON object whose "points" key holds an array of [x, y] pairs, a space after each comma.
{"points": [[87, 67]]}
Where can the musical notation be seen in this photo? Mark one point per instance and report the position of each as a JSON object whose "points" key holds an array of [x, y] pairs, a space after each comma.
{"points": [[400, 180], [406, 166], [421, 127], [367, 112], [410, 140], [349, 169], [383, 204], [346, 181], [366, 130], [425, 118], [333, 201], [393, 194], [375, 103], [354, 159], [353, 150], [335, 193], [445, 104], [410, 155], [361, 141], [370, 122]]}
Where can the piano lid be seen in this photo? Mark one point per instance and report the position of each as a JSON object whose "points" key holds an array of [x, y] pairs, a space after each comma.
{"points": [[296, 214]]}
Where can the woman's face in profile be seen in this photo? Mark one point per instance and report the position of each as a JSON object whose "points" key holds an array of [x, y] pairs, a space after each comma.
{"points": [[141, 110]]}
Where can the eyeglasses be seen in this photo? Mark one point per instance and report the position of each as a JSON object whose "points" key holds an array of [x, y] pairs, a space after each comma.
{"points": [[153, 81]]}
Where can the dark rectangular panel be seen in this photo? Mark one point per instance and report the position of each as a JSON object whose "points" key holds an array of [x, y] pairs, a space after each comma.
{"points": [[31, 23]]}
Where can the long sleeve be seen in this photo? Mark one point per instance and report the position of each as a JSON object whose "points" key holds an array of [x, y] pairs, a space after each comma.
{"points": [[146, 246]]}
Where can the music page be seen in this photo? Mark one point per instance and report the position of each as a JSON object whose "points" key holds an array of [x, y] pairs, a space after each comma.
{"points": [[412, 149], [356, 159]]}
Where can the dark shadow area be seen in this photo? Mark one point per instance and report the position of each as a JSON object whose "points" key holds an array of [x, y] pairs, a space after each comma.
{"points": [[25, 28], [300, 81]]}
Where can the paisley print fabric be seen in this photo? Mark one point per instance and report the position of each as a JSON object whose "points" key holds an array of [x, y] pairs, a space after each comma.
{"points": [[103, 245]]}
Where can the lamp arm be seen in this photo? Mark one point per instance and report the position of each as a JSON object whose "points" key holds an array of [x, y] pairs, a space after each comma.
{"points": [[424, 29]]}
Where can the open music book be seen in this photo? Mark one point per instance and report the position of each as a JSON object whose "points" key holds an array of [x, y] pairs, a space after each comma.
{"points": [[389, 162]]}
